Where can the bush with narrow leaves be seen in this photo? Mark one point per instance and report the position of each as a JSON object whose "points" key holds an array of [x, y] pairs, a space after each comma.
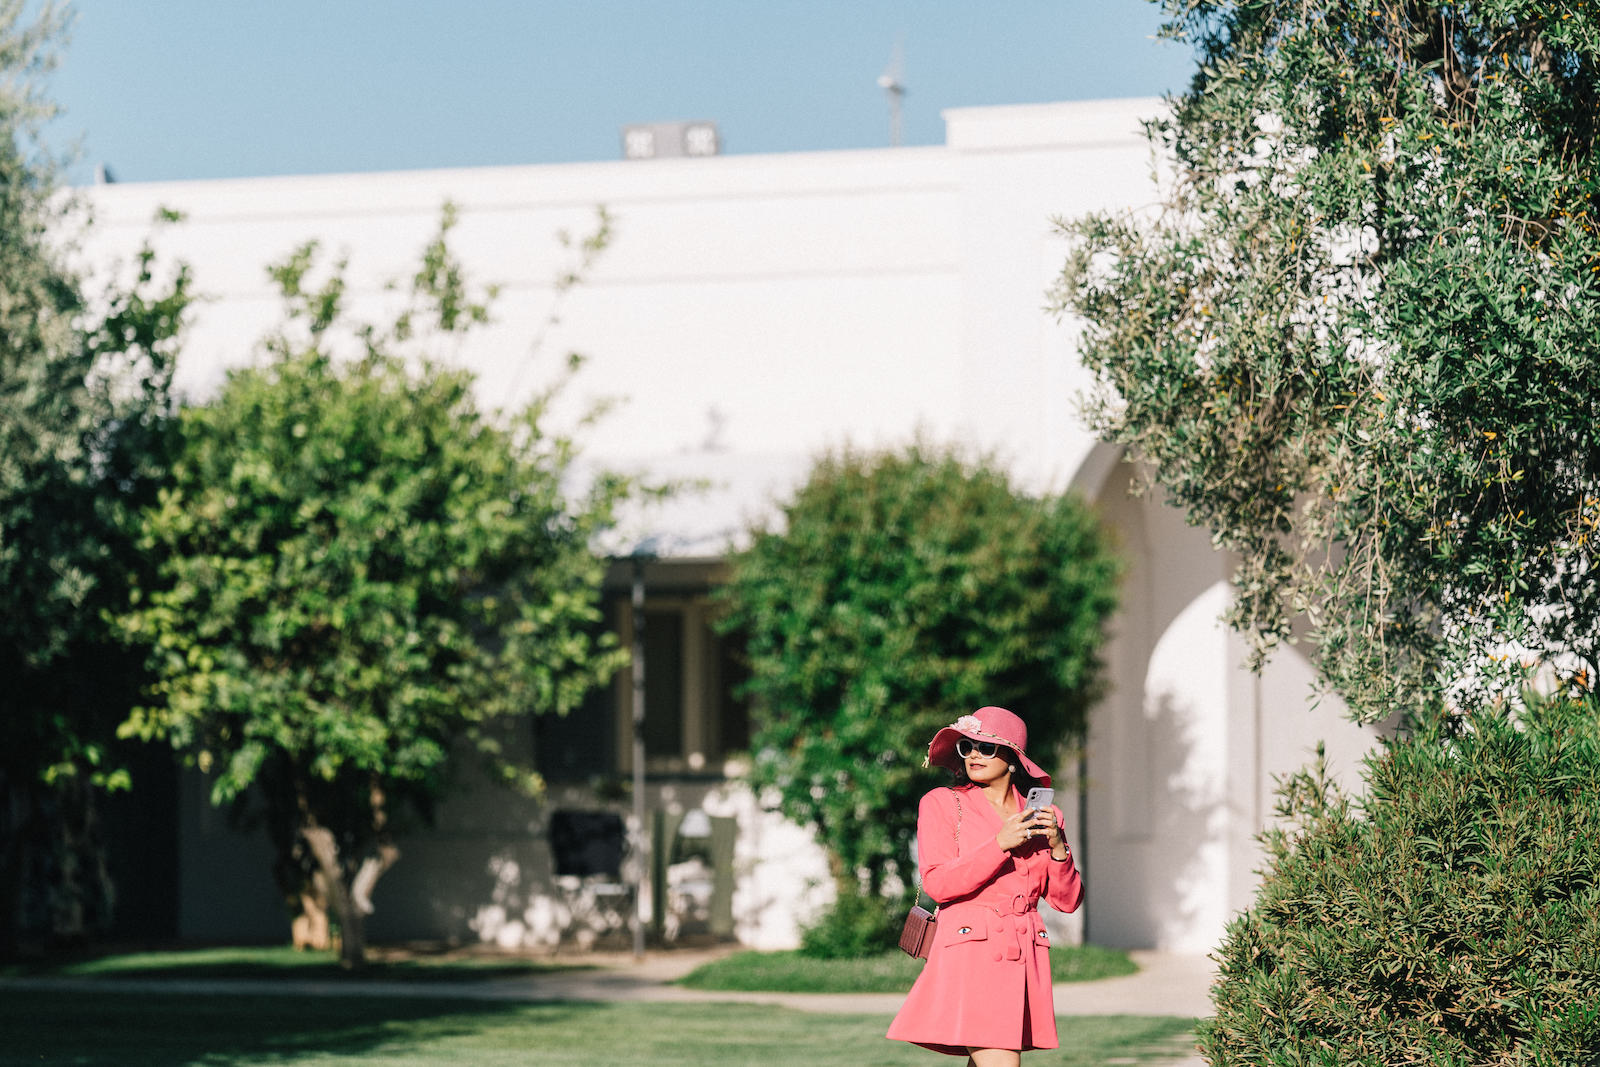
{"points": [[1449, 916]]}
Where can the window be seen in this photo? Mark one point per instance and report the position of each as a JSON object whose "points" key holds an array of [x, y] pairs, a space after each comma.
{"points": [[664, 698], [693, 718]]}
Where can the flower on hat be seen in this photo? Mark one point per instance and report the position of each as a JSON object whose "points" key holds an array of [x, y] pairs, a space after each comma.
{"points": [[968, 722]]}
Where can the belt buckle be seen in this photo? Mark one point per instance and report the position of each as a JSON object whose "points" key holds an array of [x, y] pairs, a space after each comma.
{"points": [[1019, 904]]}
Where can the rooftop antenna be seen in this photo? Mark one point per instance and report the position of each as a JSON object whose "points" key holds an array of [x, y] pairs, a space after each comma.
{"points": [[892, 81]]}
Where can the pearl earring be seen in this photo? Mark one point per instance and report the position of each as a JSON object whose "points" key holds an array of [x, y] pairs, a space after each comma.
{"points": [[1013, 767]]}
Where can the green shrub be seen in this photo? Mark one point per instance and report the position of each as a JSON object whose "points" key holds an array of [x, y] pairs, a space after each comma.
{"points": [[855, 925], [1450, 916], [900, 590]]}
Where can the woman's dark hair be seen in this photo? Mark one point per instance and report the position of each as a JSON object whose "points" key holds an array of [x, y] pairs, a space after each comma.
{"points": [[1019, 777]]}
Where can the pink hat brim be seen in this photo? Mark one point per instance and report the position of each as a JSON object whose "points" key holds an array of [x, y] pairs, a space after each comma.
{"points": [[942, 753]]}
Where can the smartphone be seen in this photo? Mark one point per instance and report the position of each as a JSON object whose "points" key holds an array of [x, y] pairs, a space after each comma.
{"points": [[1039, 798]]}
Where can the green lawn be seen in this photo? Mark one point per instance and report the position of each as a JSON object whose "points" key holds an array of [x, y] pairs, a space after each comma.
{"points": [[221, 1031], [281, 961], [892, 972]]}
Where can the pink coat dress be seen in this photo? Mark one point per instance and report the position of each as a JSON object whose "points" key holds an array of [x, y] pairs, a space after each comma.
{"points": [[987, 980]]}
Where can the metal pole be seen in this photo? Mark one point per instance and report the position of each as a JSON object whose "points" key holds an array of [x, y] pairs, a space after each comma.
{"points": [[1083, 816], [638, 752]]}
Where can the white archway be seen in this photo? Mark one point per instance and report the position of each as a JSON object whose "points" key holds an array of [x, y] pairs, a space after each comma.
{"points": [[1155, 783], [1184, 750]]}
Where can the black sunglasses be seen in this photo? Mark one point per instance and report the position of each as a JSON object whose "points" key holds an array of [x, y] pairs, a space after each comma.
{"points": [[966, 747]]}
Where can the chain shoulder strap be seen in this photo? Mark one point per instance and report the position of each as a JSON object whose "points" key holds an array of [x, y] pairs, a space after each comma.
{"points": [[957, 794]]}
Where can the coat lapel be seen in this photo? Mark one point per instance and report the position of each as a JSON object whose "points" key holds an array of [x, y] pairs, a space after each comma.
{"points": [[976, 809]]}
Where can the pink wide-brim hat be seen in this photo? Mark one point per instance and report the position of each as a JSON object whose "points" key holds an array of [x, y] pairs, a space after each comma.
{"points": [[986, 724]]}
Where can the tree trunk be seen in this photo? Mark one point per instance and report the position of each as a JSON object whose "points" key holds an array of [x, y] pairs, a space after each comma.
{"points": [[366, 879], [350, 898], [347, 881], [16, 811], [81, 895], [325, 850], [299, 878], [310, 929], [55, 887]]}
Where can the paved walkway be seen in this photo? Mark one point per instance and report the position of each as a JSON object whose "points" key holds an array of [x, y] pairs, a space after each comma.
{"points": [[1165, 985]]}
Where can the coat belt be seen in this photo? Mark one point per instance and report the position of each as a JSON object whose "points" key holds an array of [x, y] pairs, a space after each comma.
{"points": [[1019, 904], [1009, 936]]}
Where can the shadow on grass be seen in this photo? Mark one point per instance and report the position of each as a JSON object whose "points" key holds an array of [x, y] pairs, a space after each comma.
{"points": [[285, 962], [136, 1029]]}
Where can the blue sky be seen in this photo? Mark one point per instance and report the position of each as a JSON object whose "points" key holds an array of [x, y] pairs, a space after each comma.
{"points": [[168, 89]]}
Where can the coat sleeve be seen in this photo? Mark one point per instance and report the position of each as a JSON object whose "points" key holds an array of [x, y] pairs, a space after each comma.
{"points": [[946, 875], [1063, 887]]}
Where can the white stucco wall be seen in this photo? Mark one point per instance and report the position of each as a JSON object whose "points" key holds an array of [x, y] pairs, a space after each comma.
{"points": [[485, 872], [1157, 841], [808, 299]]}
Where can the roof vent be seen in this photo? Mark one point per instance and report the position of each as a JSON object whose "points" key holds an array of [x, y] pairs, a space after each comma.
{"points": [[663, 140]]}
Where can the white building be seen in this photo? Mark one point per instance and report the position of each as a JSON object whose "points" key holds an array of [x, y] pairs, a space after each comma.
{"points": [[752, 311]]}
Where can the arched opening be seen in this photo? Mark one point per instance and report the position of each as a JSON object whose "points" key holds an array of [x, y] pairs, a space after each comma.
{"points": [[1155, 771], [1183, 751]]}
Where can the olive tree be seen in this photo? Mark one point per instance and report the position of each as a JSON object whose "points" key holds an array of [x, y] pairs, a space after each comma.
{"points": [[1358, 339]]}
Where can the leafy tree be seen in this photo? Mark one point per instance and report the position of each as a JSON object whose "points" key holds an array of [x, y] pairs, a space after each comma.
{"points": [[1451, 915], [900, 591], [361, 573], [1358, 340], [83, 403]]}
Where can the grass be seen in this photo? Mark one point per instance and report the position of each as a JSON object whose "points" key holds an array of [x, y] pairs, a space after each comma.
{"points": [[234, 1031], [281, 961], [892, 972]]}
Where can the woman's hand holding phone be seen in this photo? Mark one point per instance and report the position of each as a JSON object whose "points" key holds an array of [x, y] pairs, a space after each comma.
{"points": [[1027, 824], [1045, 822], [1016, 830]]}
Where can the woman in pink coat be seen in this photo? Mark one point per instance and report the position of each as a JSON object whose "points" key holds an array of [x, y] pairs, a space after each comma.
{"points": [[985, 990]]}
